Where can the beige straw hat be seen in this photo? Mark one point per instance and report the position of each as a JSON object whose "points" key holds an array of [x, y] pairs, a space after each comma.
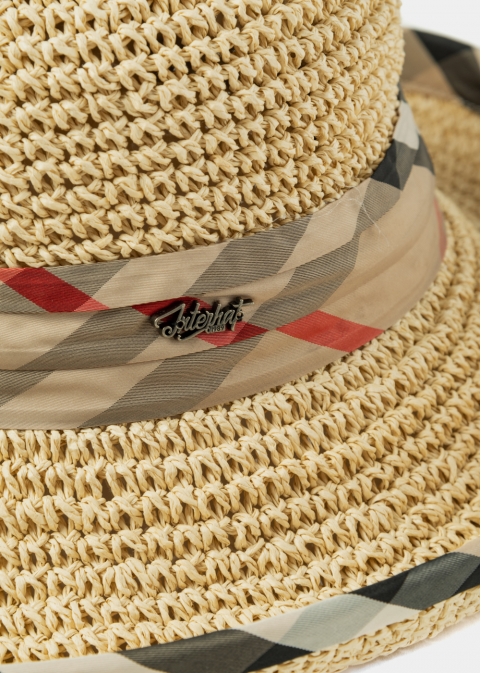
{"points": [[238, 335]]}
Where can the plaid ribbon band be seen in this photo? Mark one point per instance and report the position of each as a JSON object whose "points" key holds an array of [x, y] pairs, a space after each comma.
{"points": [[274, 640], [442, 67], [322, 286]]}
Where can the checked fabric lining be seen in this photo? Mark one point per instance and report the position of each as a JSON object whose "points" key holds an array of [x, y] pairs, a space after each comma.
{"points": [[322, 286], [293, 634]]}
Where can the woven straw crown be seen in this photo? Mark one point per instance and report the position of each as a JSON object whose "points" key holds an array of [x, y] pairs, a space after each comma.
{"points": [[133, 128]]}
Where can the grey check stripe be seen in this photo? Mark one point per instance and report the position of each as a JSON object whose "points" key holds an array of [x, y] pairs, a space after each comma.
{"points": [[175, 385], [418, 593], [322, 277], [14, 383], [422, 157], [318, 279], [251, 258], [12, 302], [275, 640], [92, 280], [106, 339]]}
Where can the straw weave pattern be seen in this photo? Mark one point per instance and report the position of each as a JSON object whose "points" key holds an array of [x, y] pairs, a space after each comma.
{"points": [[128, 535], [148, 126]]}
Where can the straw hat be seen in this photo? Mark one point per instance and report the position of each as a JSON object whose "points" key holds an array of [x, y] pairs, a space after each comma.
{"points": [[238, 344]]}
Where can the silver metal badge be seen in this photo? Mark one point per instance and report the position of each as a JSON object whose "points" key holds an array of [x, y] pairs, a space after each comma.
{"points": [[178, 324]]}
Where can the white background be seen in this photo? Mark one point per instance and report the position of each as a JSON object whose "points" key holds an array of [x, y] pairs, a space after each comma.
{"points": [[457, 648], [454, 18]]}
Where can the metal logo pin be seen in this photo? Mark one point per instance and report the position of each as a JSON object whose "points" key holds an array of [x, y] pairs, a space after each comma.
{"points": [[178, 324]]}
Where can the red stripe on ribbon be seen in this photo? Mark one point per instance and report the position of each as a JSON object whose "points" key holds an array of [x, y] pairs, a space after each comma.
{"points": [[329, 330], [91, 305], [57, 296], [6, 274], [47, 291], [156, 306]]}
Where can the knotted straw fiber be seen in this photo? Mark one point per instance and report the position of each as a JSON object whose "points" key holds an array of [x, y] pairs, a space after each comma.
{"points": [[141, 127], [128, 535]]}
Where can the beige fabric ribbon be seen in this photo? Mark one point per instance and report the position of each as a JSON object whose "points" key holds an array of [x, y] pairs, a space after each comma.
{"points": [[77, 347]]}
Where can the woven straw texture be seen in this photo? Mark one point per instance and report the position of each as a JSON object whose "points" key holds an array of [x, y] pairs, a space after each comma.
{"points": [[129, 535], [150, 126], [119, 143], [451, 132]]}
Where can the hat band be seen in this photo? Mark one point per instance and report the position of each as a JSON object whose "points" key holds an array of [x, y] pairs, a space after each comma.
{"points": [[275, 640], [73, 354]]}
